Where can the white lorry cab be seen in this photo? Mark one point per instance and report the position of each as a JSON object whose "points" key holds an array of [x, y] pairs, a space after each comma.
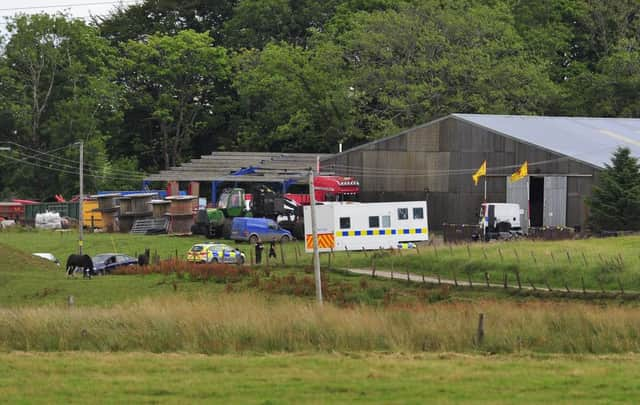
{"points": [[500, 220], [355, 226]]}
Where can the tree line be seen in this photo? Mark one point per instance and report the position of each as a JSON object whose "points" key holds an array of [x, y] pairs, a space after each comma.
{"points": [[154, 84]]}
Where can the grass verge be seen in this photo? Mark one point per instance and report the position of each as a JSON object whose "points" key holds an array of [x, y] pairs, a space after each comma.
{"points": [[312, 378], [249, 322]]}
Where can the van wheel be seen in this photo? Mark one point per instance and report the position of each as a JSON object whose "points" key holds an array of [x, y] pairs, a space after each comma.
{"points": [[284, 239], [253, 239]]}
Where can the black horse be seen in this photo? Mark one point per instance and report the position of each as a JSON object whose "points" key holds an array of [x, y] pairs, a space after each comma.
{"points": [[143, 260], [82, 261]]}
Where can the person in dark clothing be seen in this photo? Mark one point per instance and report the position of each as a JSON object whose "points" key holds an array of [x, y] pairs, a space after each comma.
{"points": [[272, 250], [259, 249]]}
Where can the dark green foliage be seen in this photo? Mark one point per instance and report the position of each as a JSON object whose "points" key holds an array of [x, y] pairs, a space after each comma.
{"points": [[294, 76], [615, 203]]}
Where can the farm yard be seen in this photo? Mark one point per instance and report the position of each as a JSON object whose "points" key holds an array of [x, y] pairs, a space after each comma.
{"points": [[391, 339]]}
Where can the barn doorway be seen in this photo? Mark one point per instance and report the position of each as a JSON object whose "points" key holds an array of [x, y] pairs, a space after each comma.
{"points": [[536, 201]]}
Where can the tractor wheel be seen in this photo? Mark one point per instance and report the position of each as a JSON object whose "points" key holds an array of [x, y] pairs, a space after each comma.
{"points": [[226, 228]]}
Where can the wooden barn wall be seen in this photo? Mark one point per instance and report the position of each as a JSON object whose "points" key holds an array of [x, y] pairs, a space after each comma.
{"points": [[433, 162]]}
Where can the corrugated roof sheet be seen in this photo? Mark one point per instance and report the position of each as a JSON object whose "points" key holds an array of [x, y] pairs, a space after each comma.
{"points": [[242, 166], [590, 140]]}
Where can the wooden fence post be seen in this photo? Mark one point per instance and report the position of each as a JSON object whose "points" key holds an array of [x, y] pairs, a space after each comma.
{"points": [[282, 254], [535, 261], [373, 267], [531, 283], [392, 267], [620, 285], [500, 253], [480, 332], [468, 251], [546, 282], [486, 278], [295, 253], [584, 259]]}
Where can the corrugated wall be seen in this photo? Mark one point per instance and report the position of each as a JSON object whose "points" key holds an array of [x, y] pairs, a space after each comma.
{"points": [[432, 161]]}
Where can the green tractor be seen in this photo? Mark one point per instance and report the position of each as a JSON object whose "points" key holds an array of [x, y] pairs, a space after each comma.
{"points": [[216, 222]]}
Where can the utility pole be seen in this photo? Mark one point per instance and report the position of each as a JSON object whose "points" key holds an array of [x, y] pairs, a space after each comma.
{"points": [[81, 203], [314, 235]]}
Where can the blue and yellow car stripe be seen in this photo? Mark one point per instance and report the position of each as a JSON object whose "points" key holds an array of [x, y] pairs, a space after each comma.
{"points": [[379, 231]]}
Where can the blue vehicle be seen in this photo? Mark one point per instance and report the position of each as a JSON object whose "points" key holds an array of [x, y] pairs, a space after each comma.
{"points": [[105, 263], [256, 230]]}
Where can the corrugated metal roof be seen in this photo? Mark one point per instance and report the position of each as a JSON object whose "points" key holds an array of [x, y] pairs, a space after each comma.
{"points": [[242, 167], [590, 140]]}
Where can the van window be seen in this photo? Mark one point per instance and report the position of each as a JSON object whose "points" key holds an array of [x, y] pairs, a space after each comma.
{"points": [[418, 213], [386, 221], [374, 222], [403, 213], [345, 222]]}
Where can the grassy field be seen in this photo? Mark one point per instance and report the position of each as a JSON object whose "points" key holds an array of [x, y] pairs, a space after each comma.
{"points": [[259, 337], [252, 322], [592, 263], [329, 378]]}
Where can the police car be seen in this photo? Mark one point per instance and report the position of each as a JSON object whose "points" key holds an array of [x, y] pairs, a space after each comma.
{"points": [[214, 253]]}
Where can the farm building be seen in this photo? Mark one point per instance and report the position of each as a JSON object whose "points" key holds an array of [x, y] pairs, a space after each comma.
{"points": [[208, 175], [436, 161]]}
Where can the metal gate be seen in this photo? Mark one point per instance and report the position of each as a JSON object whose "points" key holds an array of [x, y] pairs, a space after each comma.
{"points": [[555, 201], [518, 193]]}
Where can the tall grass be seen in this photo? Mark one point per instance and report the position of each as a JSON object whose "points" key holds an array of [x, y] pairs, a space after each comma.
{"points": [[236, 323]]}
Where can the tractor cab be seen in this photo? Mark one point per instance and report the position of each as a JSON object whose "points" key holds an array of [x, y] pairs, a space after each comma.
{"points": [[232, 202]]}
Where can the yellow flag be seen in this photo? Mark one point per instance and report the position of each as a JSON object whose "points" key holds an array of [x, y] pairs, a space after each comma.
{"points": [[482, 171], [522, 172]]}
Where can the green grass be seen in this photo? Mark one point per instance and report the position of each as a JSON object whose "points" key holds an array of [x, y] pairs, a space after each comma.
{"points": [[601, 263], [330, 378]]}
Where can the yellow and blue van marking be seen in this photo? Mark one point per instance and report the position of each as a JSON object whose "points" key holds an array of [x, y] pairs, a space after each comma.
{"points": [[377, 232]]}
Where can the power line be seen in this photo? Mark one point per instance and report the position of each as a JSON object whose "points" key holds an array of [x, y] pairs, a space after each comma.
{"points": [[65, 171], [61, 158], [97, 3], [74, 168]]}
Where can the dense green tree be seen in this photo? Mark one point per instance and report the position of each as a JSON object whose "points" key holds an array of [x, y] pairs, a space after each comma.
{"points": [[293, 99], [57, 88], [178, 79], [418, 62], [137, 21], [615, 202]]}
